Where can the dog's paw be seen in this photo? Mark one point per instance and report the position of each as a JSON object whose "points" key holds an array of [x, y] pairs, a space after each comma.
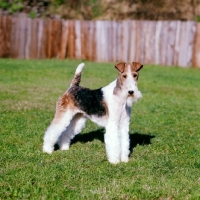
{"points": [[114, 161], [48, 149], [64, 147], [125, 159]]}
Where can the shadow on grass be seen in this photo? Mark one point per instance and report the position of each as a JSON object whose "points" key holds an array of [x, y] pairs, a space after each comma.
{"points": [[89, 137], [139, 139], [135, 138]]}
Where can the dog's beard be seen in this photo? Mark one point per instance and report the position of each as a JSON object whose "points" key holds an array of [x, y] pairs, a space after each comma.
{"points": [[133, 98]]}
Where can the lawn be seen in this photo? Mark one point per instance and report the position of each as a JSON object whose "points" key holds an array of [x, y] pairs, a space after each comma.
{"points": [[164, 132]]}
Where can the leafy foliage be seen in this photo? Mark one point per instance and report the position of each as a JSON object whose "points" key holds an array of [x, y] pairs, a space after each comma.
{"points": [[4, 4], [16, 5]]}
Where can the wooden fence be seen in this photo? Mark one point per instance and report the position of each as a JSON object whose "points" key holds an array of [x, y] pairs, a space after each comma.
{"points": [[157, 42]]}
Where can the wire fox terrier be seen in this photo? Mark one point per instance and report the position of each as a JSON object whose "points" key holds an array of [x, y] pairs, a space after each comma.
{"points": [[109, 106]]}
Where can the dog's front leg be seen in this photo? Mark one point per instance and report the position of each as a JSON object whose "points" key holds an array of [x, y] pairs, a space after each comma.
{"points": [[112, 140], [124, 134]]}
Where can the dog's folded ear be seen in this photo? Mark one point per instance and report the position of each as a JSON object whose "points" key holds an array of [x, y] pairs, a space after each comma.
{"points": [[136, 66], [120, 67]]}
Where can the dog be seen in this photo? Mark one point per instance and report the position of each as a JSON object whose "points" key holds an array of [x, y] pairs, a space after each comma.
{"points": [[109, 107]]}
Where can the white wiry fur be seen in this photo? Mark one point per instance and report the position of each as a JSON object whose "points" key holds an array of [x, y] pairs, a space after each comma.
{"points": [[117, 98], [79, 68]]}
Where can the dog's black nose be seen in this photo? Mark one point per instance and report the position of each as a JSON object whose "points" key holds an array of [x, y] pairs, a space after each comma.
{"points": [[130, 92]]}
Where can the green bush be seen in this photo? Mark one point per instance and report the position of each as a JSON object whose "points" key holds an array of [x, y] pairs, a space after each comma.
{"points": [[58, 2], [4, 5], [32, 15], [16, 5], [197, 18]]}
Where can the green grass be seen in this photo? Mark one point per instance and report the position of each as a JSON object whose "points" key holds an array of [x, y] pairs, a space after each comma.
{"points": [[164, 131]]}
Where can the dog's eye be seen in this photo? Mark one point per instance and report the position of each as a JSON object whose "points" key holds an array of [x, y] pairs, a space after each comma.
{"points": [[135, 75], [124, 76]]}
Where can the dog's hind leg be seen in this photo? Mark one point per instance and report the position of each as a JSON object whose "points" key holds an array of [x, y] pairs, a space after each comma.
{"points": [[54, 131], [75, 127]]}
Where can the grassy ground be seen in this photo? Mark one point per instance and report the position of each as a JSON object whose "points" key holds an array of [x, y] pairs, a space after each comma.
{"points": [[164, 131]]}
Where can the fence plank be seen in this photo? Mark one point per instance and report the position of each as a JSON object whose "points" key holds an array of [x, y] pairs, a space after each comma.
{"points": [[152, 42], [64, 39], [164, 42], [138, 41], [45, 39], [92, 33], [149, 42], [186, 37], [104, 40], [40, 38], [99, 41], [50, 38], [84, 40], [114, 41], [22, 37], [14, 38], [28, 39], [177, 45], [71, 40], [34, 39], [125, 41], [1, 38], [87, 39], [196, 57], [78, 33], [191, 39], [171, 43], [132, 44], [119, 42], [183, 43], [57, 28], [142, 42], [8, 35], [5, 34], [146, 34], [157, 41], [109, 45]]}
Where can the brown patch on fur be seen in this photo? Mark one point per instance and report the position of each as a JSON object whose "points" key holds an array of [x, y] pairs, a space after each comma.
{"points": [[120, 67], [64, 103], [106, 107], [136, 66], [118, 85]]}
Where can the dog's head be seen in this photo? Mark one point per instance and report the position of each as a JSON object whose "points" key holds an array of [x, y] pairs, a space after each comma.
{"points": [[128, 74]]}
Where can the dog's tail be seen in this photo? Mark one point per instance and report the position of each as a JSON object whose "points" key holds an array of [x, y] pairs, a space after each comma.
{"points": [[77, 77]]}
